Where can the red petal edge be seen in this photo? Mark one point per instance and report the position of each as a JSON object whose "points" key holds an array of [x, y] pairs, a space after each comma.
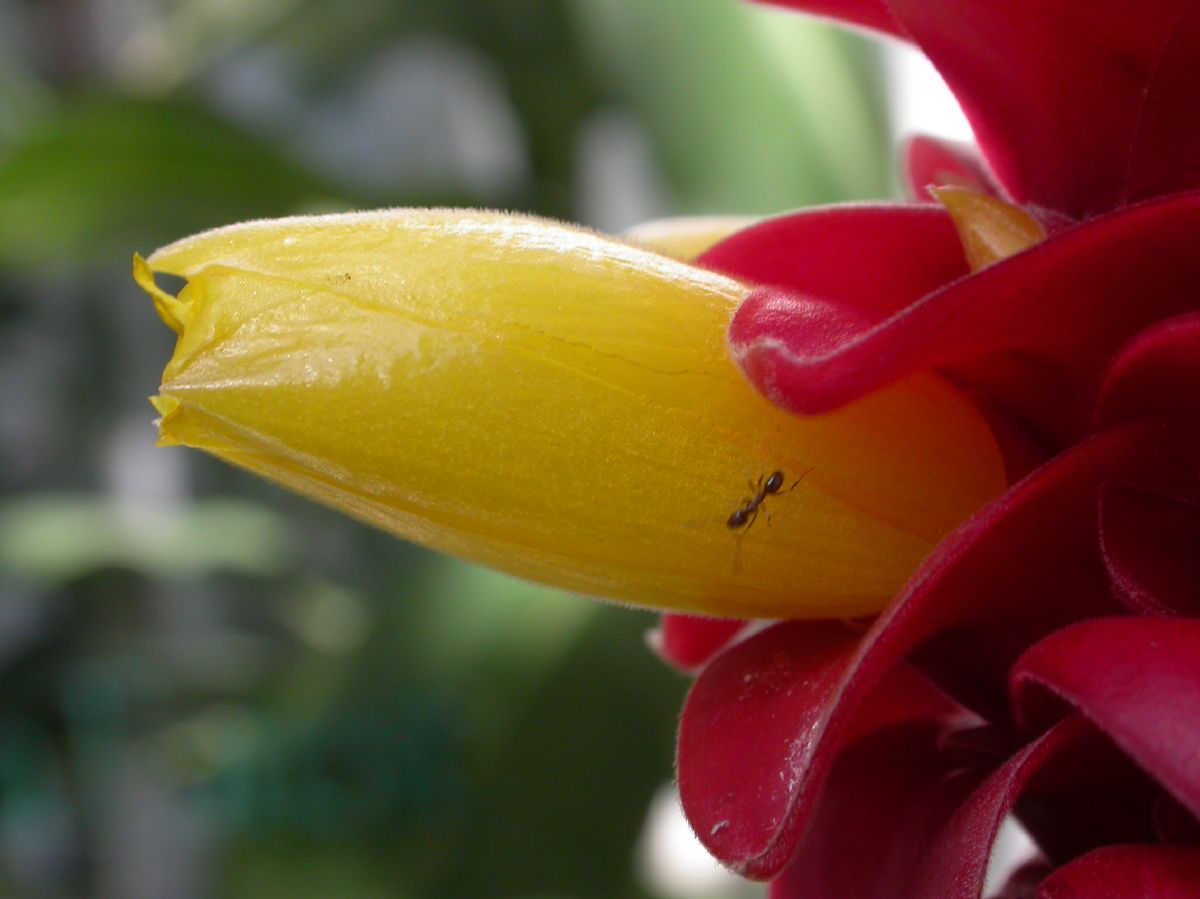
{"points": [[930, 162], [688, 641], [1137, 679], [900, 818], [887, 797], [1128, 872], [1157, 373], [953, 864], [748, 732], [1151, 546], [835, 263]]}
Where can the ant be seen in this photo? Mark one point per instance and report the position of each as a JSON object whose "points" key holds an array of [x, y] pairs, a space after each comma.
{"points": [[745, 514]]}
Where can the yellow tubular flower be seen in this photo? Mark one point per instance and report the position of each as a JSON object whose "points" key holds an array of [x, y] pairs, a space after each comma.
{"points": [[553, 403]]}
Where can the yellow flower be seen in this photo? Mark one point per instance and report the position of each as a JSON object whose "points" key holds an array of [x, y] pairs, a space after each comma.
{"points": [[553, 403]]}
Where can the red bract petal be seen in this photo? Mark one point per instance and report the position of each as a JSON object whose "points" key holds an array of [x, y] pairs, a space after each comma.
{"points": [[929, 162], [1034, 333], [1151, 545], [873, 14], [688, 641], [888, 796], [765, 719], [847, 268], [1062, 765], [752, 725], [1137, 678], [1079, 108], [1088, 794], [898, 819], [1158, 373], [1128, 872], [1025, 566]]}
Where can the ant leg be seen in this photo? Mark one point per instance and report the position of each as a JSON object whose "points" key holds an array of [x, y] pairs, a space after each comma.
{"points": [[796, 482], [750, 521]]}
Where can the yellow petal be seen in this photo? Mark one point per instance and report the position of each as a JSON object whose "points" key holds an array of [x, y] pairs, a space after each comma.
{"points": [[169, 308], [556, 404], [686, 237], [990, 229]]}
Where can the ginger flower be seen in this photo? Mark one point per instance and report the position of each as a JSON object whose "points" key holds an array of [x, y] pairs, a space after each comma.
{"points": [[974, 414], [1043, 664]]}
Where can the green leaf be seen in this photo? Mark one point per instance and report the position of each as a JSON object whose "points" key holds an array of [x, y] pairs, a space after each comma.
{"points": [[755, 111], [102, 176]]}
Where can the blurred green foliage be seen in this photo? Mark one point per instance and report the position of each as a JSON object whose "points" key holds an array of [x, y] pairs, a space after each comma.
{"points": [[213, 688], [102, 174]]}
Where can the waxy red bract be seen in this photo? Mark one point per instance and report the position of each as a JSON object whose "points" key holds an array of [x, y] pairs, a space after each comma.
{"points": [[1043, 662]]}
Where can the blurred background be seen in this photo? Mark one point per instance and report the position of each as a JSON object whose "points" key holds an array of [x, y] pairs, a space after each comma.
{"points": [[209, 687]]}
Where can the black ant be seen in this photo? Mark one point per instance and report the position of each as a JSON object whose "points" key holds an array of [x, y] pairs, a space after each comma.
{"points": [[745, 514]]}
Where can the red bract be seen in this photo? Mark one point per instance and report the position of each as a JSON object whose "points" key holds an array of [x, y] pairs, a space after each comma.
{"points": [[1118, 872], [1034, 334], [688, 641], [1043, 662], [1078, 107]]}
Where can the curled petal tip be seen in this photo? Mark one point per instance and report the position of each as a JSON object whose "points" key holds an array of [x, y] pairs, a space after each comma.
{"points": [[777, 337], [168, 307], [166, 408]]}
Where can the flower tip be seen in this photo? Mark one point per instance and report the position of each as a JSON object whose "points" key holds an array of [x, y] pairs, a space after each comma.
{"points": [[169, 308], [166, 407], [990, 228]]}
